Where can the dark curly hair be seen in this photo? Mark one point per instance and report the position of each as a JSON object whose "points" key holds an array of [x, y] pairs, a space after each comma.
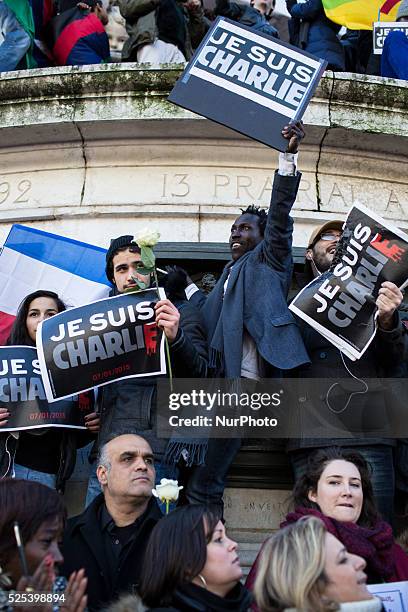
{"points": [[116, 247], [317, 462], [258, 212]]}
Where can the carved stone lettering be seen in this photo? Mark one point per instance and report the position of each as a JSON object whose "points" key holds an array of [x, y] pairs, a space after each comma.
{"points": [[175, 186], [393, 204], [4, 191], [15, 193], [182, 188], [23, 187], [220, 181], [266, 189], [243, 183], [334, 195]]}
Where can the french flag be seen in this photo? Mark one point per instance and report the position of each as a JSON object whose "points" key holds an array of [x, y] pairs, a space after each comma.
{"points": [[32, 259]]}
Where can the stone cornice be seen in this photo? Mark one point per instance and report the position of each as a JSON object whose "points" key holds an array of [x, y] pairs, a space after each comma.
{"points": [[86, 151], [113, 92]]}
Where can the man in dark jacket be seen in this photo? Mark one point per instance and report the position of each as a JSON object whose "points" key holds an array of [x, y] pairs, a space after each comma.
{"points": [[109, 539], [131, 403], [366, 402], [312, 31], [251, 332]]}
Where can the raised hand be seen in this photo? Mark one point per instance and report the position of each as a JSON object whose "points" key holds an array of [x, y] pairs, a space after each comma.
{"points": [[75, 598], [294, 133], [388, 300]]}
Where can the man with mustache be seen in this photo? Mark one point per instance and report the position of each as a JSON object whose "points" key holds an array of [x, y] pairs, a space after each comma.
{"points": [[108, 540]]}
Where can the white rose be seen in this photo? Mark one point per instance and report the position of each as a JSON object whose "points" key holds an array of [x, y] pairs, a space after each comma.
{"points": [[167, 490], [147, 238]]}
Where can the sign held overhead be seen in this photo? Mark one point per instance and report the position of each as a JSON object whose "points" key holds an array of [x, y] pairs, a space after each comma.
{"points": [[248, 81]]}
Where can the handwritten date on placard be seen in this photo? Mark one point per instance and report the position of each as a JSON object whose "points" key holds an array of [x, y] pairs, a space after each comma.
{"points": [[15, 194]]}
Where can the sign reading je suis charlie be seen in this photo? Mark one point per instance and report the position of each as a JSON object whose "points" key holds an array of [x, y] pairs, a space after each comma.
{"points": [[248, 81]]}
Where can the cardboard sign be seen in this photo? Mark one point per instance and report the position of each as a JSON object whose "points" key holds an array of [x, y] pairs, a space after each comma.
{"points": [[100, 343], [22, 393], [381, 29], [248, 81], [340, 304], [394, 595]]}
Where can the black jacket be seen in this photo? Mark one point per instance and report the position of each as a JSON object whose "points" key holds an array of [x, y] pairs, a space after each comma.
{"points": [[83, 547], [193, 598], [320, 37], [369, 409], [245, 14], [131, 403]]}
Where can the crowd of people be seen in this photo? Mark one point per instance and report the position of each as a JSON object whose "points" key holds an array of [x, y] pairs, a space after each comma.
{"points": [[123, 555], [40, 33], [123, 552]]}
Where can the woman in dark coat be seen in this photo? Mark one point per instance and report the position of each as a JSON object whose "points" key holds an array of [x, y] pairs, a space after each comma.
{"points": [[191, 565], [46, 455]]}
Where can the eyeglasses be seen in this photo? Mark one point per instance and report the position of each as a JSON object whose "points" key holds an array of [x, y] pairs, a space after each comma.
{"points": [[330, 236]]}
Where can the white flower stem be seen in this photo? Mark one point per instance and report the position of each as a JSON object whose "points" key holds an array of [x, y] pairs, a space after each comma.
{"points": [[166, 343]]}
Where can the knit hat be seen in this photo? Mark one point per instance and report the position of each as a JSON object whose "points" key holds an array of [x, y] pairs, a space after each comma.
{"points": [[116, 244], [329, 225], [403, 9]]}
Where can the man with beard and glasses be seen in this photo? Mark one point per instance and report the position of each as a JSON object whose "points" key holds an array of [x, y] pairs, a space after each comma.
{"points": [[368, 403]]}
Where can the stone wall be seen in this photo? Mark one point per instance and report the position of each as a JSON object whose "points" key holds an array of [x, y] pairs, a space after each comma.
{"points": [[90, 151], [96, 151]]}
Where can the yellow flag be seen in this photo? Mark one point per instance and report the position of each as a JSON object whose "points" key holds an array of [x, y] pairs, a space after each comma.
{"points": [[360, 14]]}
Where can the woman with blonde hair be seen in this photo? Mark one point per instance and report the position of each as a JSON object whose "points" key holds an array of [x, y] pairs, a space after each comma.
{"points": [[305, 568]]}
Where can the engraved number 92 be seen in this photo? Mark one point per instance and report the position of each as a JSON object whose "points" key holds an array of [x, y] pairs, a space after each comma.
{"points": [[23, 187]]}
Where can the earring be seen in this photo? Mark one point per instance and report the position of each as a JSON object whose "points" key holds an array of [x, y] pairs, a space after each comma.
{"points": [[201, 577]]}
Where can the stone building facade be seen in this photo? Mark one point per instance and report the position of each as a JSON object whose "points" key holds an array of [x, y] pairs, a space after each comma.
{"points": [[96, 151]]}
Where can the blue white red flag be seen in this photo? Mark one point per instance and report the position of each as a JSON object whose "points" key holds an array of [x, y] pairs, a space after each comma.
{"points": [[32, 259]]}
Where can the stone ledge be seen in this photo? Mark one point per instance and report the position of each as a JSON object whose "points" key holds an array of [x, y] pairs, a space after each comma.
{"points": [[117, 92], [86, 151]]}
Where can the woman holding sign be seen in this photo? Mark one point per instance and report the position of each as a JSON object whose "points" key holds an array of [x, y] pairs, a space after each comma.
{"points": [[46, 455]]}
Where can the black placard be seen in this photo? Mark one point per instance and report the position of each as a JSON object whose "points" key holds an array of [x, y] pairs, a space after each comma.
{"points": [[99, 343], [340, 303], [248, 81]]}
